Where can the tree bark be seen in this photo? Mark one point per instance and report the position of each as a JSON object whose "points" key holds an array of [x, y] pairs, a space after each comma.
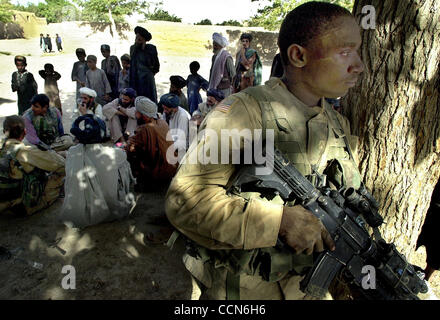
{"points": [[395, 111]]}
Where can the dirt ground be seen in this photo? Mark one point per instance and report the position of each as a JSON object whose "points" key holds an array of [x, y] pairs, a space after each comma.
{"points": [[112, 260]]}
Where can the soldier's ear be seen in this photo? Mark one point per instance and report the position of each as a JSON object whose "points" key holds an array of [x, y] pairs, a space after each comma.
{"points": [[297, 55]]}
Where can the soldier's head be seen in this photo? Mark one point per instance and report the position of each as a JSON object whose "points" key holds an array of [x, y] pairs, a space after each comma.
{"points": [[319, 45], [20, 63], [105, 50], [40, 104], [14, 128]]}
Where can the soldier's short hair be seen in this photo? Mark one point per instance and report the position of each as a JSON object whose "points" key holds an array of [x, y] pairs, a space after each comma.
{"points": [[13, 127], [306, 22]]}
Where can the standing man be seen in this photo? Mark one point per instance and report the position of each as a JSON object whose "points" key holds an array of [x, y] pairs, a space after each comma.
{"points": [[58, 41], [48, 42], [144, 64], [42, 43], [222, 69], [79, 70], [236, 234], [112, 68]]}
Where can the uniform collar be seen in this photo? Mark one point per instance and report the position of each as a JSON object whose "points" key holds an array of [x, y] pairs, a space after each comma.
{"points": [[277, 84]]}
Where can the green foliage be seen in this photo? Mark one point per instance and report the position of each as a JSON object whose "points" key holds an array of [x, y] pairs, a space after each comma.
{"points": [[204, 22], [53, 10], [5, 11], [105, 10], [234, 23], [162, 15], [270, 17]]}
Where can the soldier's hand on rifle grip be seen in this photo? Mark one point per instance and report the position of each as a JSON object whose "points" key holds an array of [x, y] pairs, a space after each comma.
{"points": [[304, 232]]}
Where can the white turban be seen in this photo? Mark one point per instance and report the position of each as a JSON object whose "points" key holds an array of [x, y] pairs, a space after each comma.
{"points": [[218, 38], [146, 107], [87, 91]]}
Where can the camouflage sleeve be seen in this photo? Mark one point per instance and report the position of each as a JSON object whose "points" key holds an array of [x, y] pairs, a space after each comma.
{"points": [[197, 203]]}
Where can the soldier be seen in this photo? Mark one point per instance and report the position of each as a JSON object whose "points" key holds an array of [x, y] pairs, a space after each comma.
{"points": [[233, 236]]}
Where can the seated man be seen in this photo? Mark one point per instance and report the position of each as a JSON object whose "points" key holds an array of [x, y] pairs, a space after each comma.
{"points": [[178, 120], [88, 103], [98, 178], [30, 178], [44, 127], [213, 97], [147, 149], [121, 117]]}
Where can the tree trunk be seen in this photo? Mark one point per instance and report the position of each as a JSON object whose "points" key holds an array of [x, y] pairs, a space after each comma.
{"points": [[395, 111], [113, 30]]}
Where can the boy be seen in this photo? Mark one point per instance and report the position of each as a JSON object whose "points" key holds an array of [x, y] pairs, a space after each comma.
{"points": [[24, 83], [195, 82], [51, 77], [79, 70], [97, 80], [124, 75], [111, 66]]}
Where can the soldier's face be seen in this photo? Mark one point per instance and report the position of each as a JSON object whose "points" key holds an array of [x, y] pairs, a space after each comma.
{"points": [[333, 63], [39, 110]]}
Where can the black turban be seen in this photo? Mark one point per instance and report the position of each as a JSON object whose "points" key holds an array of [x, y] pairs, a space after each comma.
{"points": [[178, 81], [143, 33]]}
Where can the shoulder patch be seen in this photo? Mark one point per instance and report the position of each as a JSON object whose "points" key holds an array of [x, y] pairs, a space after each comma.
{"points": [[225, 105]]}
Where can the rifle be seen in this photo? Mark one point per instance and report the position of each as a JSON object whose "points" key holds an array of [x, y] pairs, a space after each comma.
{"points": [[344, 213]]}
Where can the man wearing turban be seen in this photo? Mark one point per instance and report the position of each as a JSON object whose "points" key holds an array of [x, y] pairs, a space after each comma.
{"points": [[222, 69], [178, 120], [144, 64], [121, 115], [177, 84], [147, 149]]}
